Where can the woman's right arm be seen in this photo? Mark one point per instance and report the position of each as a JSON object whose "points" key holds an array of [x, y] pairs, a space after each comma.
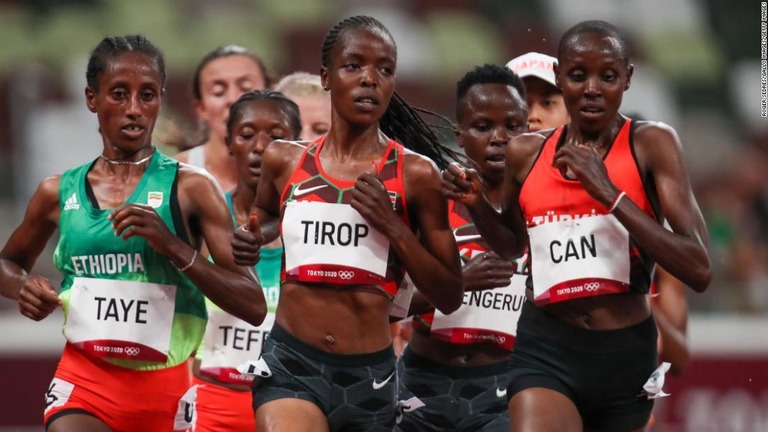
{"points": [[36, 296]]}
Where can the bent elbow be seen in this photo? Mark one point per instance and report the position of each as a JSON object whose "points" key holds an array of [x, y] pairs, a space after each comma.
{"points": [[451, 302], [256, 315], [448, 308], [702, 278], [701, 286], [511, 252]]}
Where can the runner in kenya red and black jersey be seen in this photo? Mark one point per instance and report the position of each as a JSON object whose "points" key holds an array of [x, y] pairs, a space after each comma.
{"points": [[329, 361], [456, 367]]}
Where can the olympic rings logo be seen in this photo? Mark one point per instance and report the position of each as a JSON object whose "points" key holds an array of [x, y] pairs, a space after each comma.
{"points": [[346, 275], [592, 286], [132, 351]]}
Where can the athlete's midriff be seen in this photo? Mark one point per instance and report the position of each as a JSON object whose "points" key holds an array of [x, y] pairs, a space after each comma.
{"points": [[607, 312], [336, 320]]}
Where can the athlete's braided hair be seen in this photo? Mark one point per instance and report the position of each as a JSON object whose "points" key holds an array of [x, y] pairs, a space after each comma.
{"points": [[288, 106], [401, 121], [598, 27], [488, 74], [112, 47]]}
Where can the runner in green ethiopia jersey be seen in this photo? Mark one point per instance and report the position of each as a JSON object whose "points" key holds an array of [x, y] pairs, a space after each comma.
{"points": [[131, 223]]}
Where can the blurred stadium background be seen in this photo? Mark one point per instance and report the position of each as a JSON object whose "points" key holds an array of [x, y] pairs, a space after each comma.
{"points": [[697, 66]]}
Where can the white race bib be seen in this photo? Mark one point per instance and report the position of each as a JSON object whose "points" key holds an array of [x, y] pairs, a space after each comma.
{"points": [[58, 393], [579, 258], [230, 342], [487, 316], [186, 413], [332, 243], [121, 319]]}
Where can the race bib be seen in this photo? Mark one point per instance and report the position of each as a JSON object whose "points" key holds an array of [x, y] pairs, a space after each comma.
{"points": [[487, 316], [332, 243], [186, 413], [230, 342], [121, 319], [579, 258]]}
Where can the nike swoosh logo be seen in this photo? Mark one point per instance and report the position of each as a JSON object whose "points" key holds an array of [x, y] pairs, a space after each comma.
{"points": [[378, 385], [299, 192], [501, 393], [466, 238]]}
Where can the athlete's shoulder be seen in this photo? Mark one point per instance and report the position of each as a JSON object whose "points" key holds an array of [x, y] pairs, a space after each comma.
{"points": [[656, 145], [190, 171], [49, 187], [198, 190], [532, 140], [282, 155], [524, 148], [655, 132], [655, 142], [415, 164], [45, 203], [195, 178]]}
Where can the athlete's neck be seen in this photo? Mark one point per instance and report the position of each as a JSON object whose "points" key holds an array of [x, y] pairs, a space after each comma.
{"points": [[118, 162], [597, 140], [344, 142]]}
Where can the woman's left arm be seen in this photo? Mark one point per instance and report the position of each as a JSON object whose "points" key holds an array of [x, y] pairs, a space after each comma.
{"points": [[431, 258], [683, 251]]}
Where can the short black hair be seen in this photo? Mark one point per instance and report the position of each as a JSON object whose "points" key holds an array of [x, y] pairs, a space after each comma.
{"points": [[488, 74], [598, 27]]}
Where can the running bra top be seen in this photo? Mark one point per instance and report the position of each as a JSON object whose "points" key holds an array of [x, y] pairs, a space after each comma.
{"points": [[310, 183], [547, 196]]}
